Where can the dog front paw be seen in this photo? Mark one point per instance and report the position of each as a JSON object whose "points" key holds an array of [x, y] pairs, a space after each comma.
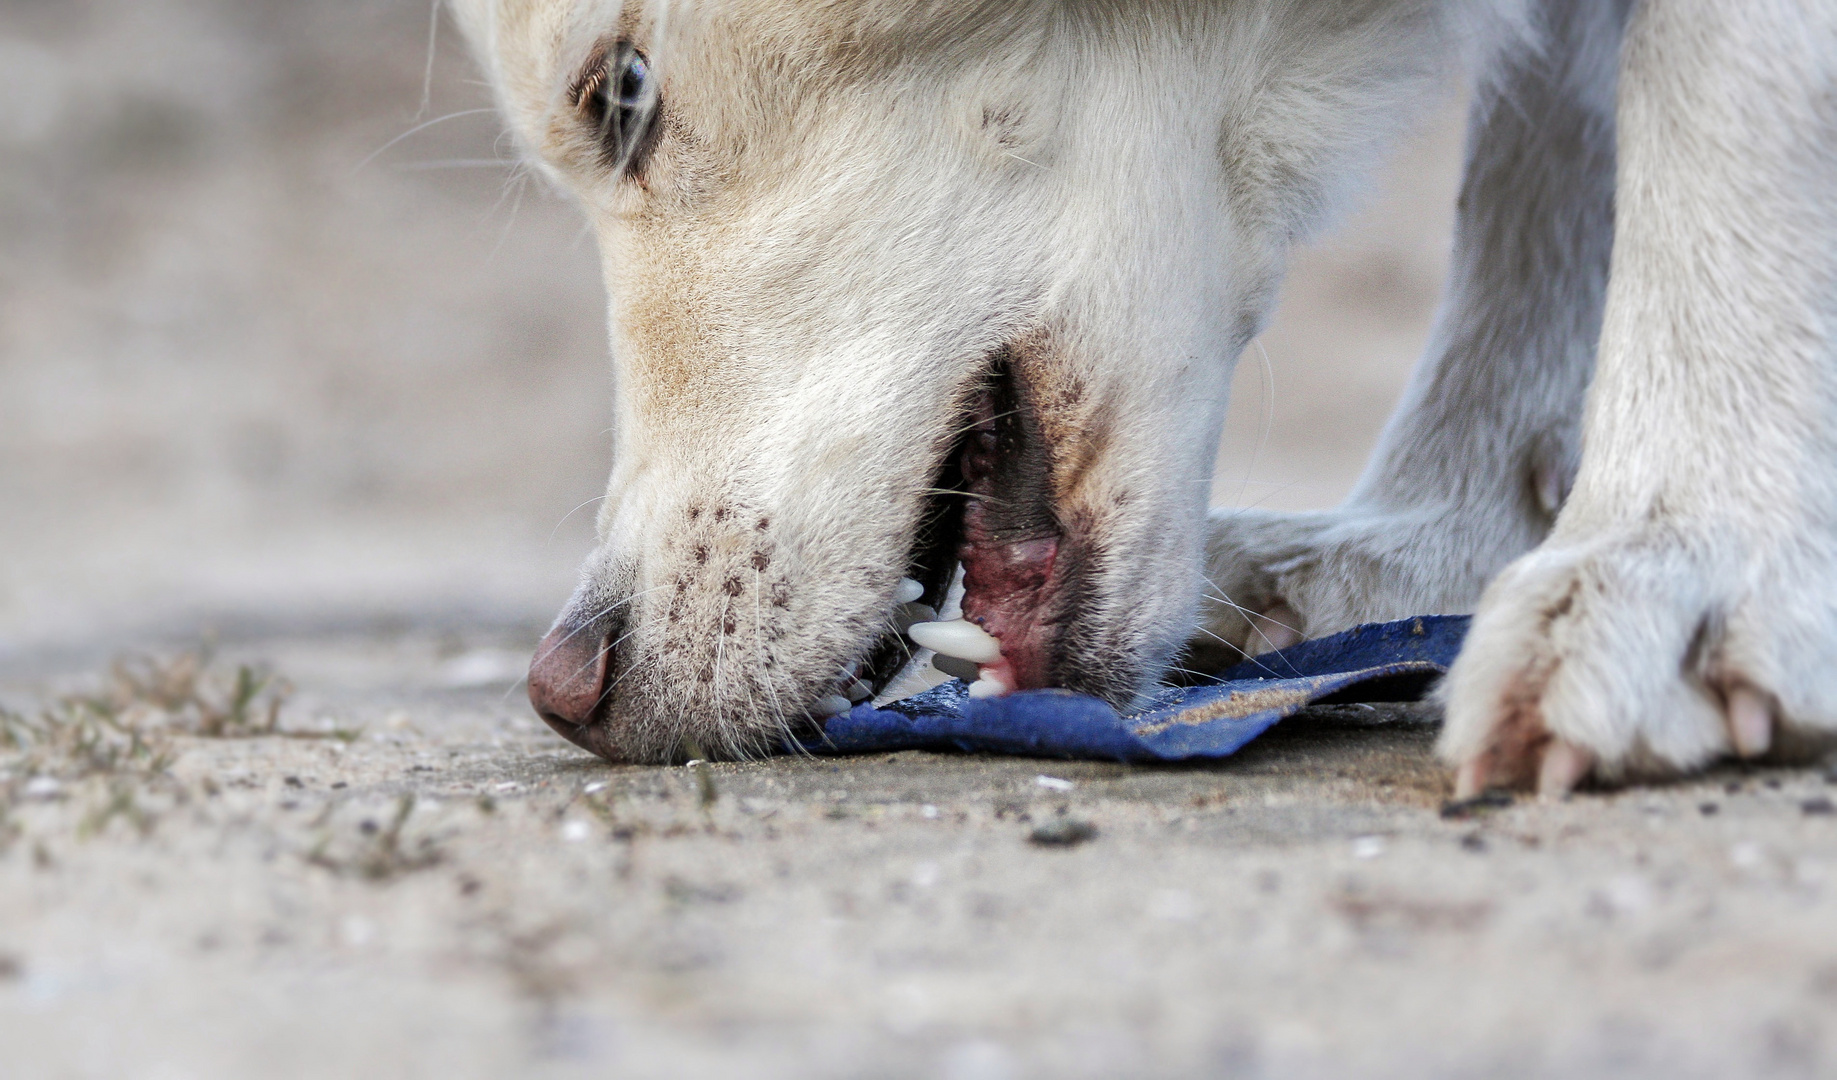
{"points": [[1274, 579], [1649, 652]]}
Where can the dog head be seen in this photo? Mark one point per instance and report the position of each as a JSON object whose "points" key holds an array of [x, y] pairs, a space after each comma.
{"points": [[900, 286]]}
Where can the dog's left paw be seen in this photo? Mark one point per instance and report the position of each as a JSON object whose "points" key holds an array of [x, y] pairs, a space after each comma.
{"points": [[1647, 652]]}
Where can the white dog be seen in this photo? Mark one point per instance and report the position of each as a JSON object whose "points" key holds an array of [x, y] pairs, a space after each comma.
{"points": [[903, 285]]}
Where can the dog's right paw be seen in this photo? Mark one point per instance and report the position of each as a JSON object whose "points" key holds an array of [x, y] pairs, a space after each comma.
{"points": [[1644, 653], [1275, 579]]}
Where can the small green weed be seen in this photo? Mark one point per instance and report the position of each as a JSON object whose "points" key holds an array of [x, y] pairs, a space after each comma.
{"points": [[382, 854], [118, 741]]}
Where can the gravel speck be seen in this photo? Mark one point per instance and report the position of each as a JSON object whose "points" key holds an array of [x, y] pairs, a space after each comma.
{"points": [[1063, 832]]}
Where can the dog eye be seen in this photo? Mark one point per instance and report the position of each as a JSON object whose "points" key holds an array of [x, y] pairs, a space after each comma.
{"points": [[634, 81], [614, 93]]}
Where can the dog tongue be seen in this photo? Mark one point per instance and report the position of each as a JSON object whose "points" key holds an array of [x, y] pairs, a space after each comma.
{"points": [[1010, 538]]}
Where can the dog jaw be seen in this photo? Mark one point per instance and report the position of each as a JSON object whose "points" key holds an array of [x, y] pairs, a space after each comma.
{"points": [[841, 236]]}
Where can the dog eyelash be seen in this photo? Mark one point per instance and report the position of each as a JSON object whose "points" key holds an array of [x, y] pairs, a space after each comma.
{"points": [[614, 92]]}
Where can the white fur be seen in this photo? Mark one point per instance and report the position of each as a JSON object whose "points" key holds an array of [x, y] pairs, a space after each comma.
{"points": [[1696, 560], [856, 203]]}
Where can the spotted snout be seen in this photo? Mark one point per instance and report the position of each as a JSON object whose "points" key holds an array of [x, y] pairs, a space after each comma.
{"points": [[717, 629]]}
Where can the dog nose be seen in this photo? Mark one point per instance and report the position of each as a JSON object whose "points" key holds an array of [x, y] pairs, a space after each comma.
{"points": [[567, 678]]}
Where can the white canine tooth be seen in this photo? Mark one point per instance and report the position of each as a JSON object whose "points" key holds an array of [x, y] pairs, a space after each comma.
{"points": [[856, 690], [908, 591], [915, 678], [959, 638], [830, 705], [989, 685]]}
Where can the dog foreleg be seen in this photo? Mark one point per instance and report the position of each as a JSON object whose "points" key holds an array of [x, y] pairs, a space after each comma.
{"points": [[1685, 605], [1480, 453]]}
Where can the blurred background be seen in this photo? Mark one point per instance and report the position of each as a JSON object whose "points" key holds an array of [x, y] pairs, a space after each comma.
{"points": [[288, 342]]}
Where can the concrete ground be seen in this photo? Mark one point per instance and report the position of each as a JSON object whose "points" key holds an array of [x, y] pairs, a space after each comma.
{"points": [[455, 892], [282, 367]]}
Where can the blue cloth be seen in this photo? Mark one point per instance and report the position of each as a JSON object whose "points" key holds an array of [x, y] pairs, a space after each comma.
{"points": [[1392, 661]]}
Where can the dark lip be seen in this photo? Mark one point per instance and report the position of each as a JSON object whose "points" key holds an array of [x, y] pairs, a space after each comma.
{"points": [[932, 558], [1012, 537], [992, 513]]}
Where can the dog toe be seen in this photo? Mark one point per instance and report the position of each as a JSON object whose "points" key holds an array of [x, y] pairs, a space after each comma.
{"points": [[1564, 766], [1750, 719]]}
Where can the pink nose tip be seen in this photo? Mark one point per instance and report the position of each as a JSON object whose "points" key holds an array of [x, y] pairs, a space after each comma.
{"points": [[567, 678]]}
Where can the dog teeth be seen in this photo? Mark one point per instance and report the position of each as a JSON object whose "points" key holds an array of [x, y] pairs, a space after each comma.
{"points": [[915, 678], [959, 638], [908, 591], [988, 684], [856, 690], [830, 705]]}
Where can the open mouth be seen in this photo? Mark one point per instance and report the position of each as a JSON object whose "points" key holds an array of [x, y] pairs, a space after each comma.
{"points": [[991, 585], [990, 517]]}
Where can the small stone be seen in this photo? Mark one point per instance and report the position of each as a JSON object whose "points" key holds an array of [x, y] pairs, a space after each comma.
{"points": [[1818, 806], [1490, 799], [1063, 832], [1708, 809], [1473, 842]]}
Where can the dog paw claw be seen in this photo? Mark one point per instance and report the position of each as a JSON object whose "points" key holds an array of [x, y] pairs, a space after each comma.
{"points": [[1637, 656], [1278, 627], [1470, 780], [1564, 766], [1750, 719]]}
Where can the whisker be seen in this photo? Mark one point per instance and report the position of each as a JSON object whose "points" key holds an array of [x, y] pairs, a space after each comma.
{"points": [[423, 126], [973, 424], [571, 513], [521, 180], [778, 708], [1251, 619], [965, 494], [427, 75], [1245, 653], [453, 163], [597, 616], [606, 694], [1266, 401]]}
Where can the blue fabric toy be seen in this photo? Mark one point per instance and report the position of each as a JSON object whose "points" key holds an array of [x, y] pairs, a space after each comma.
{"points": [[1392, 661]]}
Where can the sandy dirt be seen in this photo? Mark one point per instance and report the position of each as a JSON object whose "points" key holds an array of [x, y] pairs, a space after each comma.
{"points": [[452, 892], [338, 405]]}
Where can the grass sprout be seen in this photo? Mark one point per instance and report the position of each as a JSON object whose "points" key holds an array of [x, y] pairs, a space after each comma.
{"points": [[187, 693], [383, 854], [116, 741], [80, 736]]}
